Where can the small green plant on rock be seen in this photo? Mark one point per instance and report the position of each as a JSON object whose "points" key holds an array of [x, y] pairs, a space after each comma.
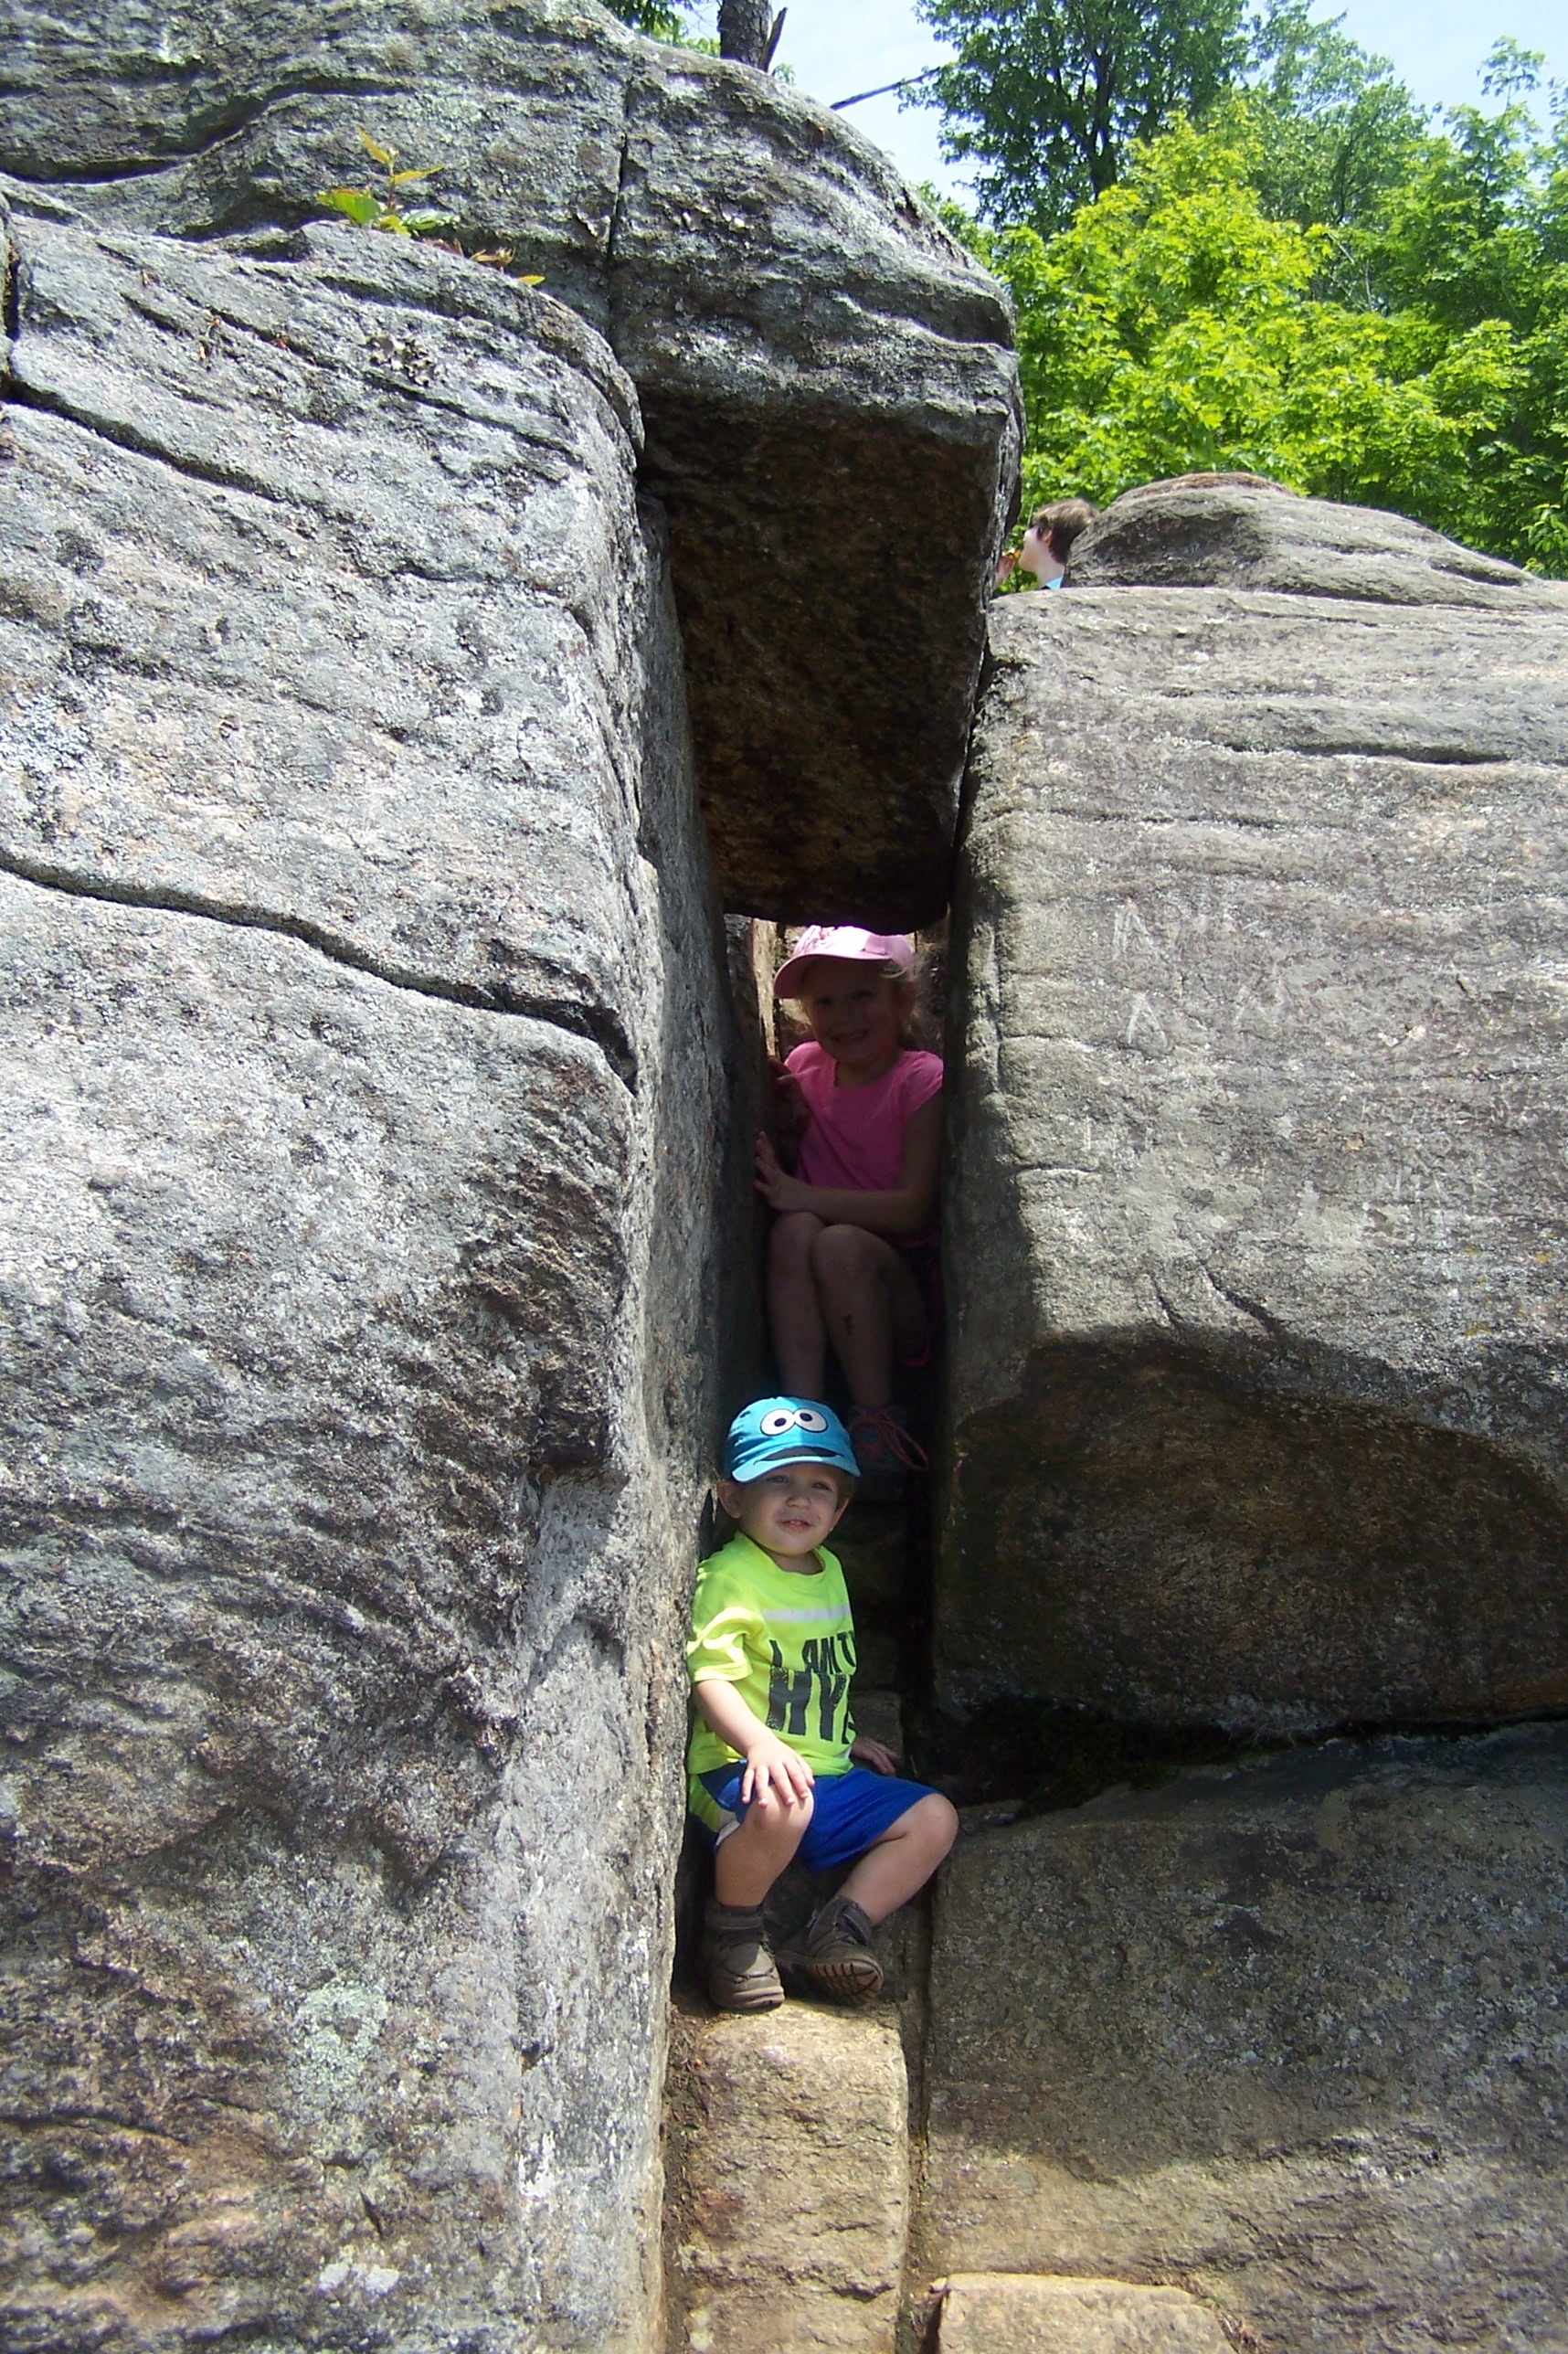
{"points": [[383, 208]]}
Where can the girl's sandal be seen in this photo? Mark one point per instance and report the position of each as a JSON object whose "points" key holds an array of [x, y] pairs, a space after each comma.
{"points": [[885, 1450]]}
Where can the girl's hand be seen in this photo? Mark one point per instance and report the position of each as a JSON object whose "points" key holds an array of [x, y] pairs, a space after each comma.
{"points": [[790, 1116], [775, 1776], [774, 1182], [874, 1753]]}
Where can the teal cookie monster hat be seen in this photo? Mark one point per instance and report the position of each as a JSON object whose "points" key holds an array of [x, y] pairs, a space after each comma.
{"points": [[775, 1430]]}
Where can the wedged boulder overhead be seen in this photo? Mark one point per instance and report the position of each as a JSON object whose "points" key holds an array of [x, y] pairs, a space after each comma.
{"points": [[1289, 2036], [829, 397], [363, 1025], [1257, 1211]]}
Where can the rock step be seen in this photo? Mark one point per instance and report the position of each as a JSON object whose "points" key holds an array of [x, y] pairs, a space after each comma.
{"points": [[787, 2182], [1030, 2312]]}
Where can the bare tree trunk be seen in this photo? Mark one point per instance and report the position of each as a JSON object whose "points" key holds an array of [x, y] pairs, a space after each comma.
{"points": [[745, 30]]}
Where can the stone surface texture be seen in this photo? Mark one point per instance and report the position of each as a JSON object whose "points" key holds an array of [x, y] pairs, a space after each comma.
{"points": [[1018, 2313], [1257, 1215], [365, 1030], [1290, 2037], [1240, 531], [823, 372], [790, 2182]]}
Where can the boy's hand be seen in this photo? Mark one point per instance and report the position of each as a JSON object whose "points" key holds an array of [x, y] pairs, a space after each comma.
{"points": [[775, 1776], [874, 1753]]}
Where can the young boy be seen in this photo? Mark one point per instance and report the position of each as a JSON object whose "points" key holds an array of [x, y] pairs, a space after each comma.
{"points": [[776, 1770]]}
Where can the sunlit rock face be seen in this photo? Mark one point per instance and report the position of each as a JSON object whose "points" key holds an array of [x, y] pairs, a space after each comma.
{"points": [[1255, 1208], [827, 378], [365, 1029], [1241, 531], [398, 668], [1288, 2035]]}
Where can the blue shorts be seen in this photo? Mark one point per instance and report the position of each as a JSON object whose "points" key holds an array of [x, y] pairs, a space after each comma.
{"points": [[850, 1812]]}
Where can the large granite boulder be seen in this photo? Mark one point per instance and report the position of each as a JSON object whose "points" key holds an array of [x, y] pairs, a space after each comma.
{"points": [[1241, 531], [365, 1027], [831, 404], [1257, 1208], [1289, 2038]]}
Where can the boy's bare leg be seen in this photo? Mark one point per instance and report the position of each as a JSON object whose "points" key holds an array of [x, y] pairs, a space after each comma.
{"points": [[870, 1301], [903, 1859], [799, 1340], [748, 1861]]}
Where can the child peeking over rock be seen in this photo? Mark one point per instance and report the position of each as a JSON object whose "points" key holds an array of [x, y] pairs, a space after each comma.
{"points": [[853, 1255], [775, 1768]]}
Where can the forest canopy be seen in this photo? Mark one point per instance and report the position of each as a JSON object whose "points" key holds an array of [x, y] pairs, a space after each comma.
{"points": [[1285, 268]]}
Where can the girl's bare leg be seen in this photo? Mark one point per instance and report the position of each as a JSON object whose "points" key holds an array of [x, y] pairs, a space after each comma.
{"points": [[800, 1342], [903, 1859], [871, 1306]]}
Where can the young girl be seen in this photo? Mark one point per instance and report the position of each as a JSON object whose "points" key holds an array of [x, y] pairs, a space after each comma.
{"points": [[854, 1254]]}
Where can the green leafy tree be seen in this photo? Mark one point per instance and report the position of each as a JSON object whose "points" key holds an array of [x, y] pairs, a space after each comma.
{"points": [[1464, 233], [1047, 96], [1475, 246], [651, 16], [661, 24], [1172, 328], [1337, 132], [1313, 285]]}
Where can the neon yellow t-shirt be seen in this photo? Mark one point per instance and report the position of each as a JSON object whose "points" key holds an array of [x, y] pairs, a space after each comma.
{"points": [[786, 1640]]}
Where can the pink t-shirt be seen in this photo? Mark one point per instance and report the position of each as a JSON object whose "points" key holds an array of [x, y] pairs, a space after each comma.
{"points": [[855, 1139]]}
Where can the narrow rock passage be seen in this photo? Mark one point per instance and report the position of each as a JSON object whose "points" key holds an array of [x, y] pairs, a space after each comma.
{"points": [[791, 2152], [365, 1092]]}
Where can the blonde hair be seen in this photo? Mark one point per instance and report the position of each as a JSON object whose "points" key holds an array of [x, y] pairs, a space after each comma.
{"points": [[911, 1035]]}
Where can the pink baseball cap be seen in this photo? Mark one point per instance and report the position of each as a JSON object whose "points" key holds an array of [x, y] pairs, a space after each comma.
{"points": [[849, 945]]}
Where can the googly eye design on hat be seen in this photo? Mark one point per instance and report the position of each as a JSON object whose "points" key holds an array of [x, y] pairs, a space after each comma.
{"points": [[799, 1417], [775, 1430]]}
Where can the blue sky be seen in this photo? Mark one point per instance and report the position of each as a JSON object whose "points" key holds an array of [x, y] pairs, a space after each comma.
{"points": [[838, 46]]}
